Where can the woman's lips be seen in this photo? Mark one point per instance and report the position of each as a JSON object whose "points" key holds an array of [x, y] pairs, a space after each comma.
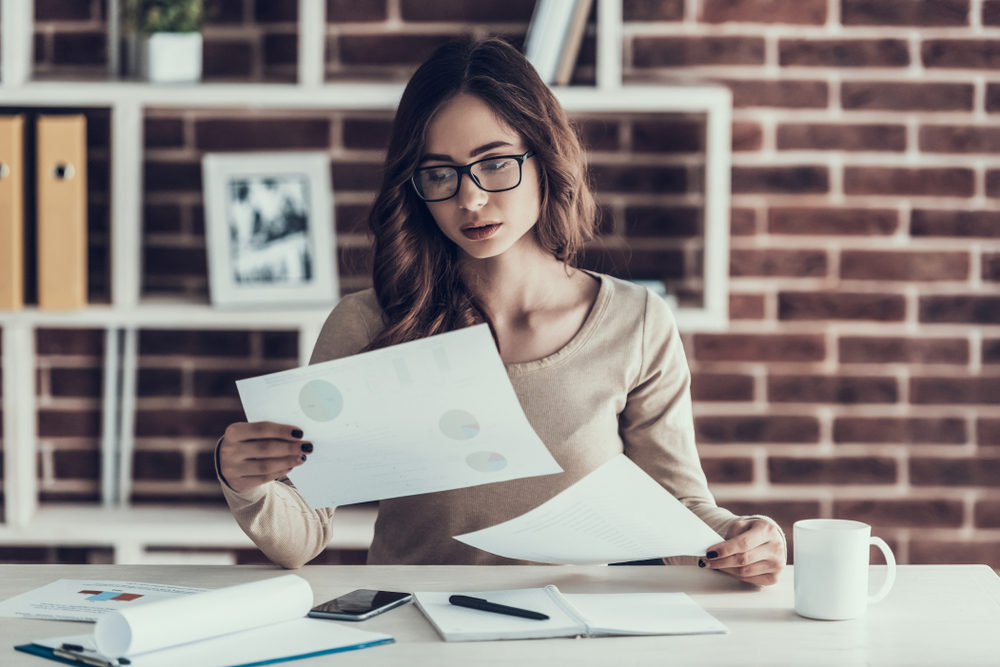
{"points": [[480, 233]]}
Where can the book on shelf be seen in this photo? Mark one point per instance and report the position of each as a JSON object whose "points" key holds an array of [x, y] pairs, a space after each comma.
{"points": [[11, 212], [570, 615], [554, 37]]}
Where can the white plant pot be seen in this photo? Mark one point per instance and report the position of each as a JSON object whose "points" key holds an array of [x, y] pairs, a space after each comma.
{"points": [[172, 57]]}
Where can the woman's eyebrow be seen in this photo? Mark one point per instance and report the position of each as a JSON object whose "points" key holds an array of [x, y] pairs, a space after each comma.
{"points": [[439, 157]]}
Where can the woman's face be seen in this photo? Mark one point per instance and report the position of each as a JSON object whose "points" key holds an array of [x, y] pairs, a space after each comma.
{"points": [[483, 224]]}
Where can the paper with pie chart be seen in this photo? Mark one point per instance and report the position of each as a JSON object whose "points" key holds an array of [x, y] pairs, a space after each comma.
{"points": [[429, 415]]}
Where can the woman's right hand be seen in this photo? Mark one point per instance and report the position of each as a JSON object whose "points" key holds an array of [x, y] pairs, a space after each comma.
{"points": [[255, 453]]}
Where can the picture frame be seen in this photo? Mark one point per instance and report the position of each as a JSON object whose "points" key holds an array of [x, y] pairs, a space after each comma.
{"points": [[269, 229]]}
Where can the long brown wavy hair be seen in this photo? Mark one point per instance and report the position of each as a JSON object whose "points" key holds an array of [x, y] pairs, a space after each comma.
{"points": [[416, 270]]}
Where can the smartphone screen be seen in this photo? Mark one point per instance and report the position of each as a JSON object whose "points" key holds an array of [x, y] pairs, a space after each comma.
{"points": [[359, 605]]}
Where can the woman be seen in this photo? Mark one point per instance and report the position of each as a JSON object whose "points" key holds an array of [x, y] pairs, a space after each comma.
{"points": [[482, 210]]}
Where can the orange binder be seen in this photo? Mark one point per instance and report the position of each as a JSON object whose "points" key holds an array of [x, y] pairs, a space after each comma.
{"points": [[62, 212], [11, 212]]}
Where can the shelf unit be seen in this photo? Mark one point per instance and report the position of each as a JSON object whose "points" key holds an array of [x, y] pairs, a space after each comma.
{"points": [[117, 524]]}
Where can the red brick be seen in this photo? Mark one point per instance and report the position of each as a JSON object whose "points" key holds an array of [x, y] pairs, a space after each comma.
{"points": [[366, 133], [648, 52], [163, 132], [743, 221], [388, 49], [991, 351], [784, 93], [280, 49], [88, 342], [963, 309], [961, 53], [83, 382], [987, 514], [991, 12], [230, 59], [76, 464], [79, 48], [667, 136], [721, 387], [194, 343], [259, 134], [746, 306], [841, 306], [749, 428], [356, 176], [778, 262], [992, 97], [597, 134], [959, 139], [651, 179], [728, 470], [798, 12], [660, 222], [841, 137], [157, 465], [205, 466], [224, 12], [759, 347], [905, 96], [175, 261], [352, 218], [161, 218], [991, 266], [993, 183], [955, 391], [806, 179], [69, 423], [172, 176], [467, 10], [893, 350], [634, 264], [940, 552], [219, 382], [653, 10], [184, 423], [280, 345], [268, 11], [899, 430], [843, 53], [910, 266], [988, 431], [932, 13], [985, 224], [355, 261], [159, 382], [901, 513], [785, 512], [842, 470], [65, 10], [831, 389], [966, 472], [351, 11], [943, 182], [833, 221], [747, 136]]}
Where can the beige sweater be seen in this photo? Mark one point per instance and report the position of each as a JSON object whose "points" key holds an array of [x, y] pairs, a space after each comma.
{"points": [[620, 385]]}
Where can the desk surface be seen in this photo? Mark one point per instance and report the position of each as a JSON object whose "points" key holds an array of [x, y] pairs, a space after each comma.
{"points": [[935, 615]]}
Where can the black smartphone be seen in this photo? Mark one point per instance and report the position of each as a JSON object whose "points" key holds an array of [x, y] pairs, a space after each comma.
{"points": [[359, 605]]}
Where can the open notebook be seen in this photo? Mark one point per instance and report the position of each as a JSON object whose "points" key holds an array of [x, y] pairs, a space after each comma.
{"points": [[569, 615]]}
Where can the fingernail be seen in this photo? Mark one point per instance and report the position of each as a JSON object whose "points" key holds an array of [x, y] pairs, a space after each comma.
{"points": [[296, 433], [303, 458], [701, 563], [713, 554], [307, 447]]}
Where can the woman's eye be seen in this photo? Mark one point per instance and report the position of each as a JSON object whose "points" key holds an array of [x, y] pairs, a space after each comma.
{"points": [[498, 165], [438, 175]]}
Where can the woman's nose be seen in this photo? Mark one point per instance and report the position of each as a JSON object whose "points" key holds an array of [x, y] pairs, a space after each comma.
{"points": [[471, 196]]}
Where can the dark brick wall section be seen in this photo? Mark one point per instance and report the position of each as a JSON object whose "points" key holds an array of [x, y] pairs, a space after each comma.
{"points": [[795, 12], [929, 13], [844, 53], [889, 430]]}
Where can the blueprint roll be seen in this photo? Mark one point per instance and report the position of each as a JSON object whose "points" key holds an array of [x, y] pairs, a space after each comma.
{"points": [[202, 616]]}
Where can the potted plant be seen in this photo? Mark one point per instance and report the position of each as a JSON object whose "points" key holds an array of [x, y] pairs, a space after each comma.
{"points": [[170, 51]]}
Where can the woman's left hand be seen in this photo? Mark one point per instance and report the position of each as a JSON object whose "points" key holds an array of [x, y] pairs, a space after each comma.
{"points": [[754, 552]]}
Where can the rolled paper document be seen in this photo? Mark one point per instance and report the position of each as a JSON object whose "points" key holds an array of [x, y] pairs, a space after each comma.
{"points": [[201, 616]]}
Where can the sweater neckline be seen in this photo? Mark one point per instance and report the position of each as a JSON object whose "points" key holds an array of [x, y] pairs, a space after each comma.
{"points": [[580, 339]]}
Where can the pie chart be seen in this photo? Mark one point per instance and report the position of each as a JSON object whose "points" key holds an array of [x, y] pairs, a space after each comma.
{"points": [[321, 401], [459, 425], [486, 461]]}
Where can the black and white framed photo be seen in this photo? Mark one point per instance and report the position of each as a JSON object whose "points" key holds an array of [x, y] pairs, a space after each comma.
{"points": [[269, 228]]}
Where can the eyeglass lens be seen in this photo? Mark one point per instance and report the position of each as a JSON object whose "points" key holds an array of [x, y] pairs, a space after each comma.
{"points": [[490, 175]]}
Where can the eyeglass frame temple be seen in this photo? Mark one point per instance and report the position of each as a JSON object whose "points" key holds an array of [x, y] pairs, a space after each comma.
{"points": [[467, 169]]}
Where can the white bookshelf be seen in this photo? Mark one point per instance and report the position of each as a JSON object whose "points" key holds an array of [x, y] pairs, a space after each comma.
{"points": [[129, 530]]}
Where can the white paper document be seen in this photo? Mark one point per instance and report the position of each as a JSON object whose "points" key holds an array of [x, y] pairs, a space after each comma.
{"points": [[87, 600], [616, 513], [429, 415]]}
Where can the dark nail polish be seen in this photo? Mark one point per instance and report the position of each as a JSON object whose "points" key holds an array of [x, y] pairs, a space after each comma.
{"points": [[303, 458], [701, 563], [713, 554], [307, 447], [296, 433]]}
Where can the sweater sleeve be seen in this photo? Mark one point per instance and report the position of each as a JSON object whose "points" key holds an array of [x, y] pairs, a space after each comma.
{"points": [[274, 515]]}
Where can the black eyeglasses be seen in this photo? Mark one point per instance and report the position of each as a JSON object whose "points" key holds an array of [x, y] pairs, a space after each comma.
{"points": [[494, 174]]}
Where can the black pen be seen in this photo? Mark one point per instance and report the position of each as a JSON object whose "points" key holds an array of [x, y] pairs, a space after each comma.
{"points": [[483, 605]]}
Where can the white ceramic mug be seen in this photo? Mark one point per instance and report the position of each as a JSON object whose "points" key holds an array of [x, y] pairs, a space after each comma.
{"points": [[831, 568]]}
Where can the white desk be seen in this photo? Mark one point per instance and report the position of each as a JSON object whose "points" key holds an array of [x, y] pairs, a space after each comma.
{"points": [[936, 615]]}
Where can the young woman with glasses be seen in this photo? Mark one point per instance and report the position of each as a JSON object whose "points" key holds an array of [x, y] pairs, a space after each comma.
{"points": [[483, 208]]}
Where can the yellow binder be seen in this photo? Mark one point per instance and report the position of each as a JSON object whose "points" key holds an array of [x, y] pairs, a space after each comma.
{"points": [[62, 212], [11, 212]]}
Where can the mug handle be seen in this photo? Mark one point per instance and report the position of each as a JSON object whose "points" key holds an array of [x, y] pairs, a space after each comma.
{"points": [[890, 576]]}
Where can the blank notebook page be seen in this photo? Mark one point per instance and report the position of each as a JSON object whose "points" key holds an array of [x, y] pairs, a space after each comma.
{"points": [[644, 613]]}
